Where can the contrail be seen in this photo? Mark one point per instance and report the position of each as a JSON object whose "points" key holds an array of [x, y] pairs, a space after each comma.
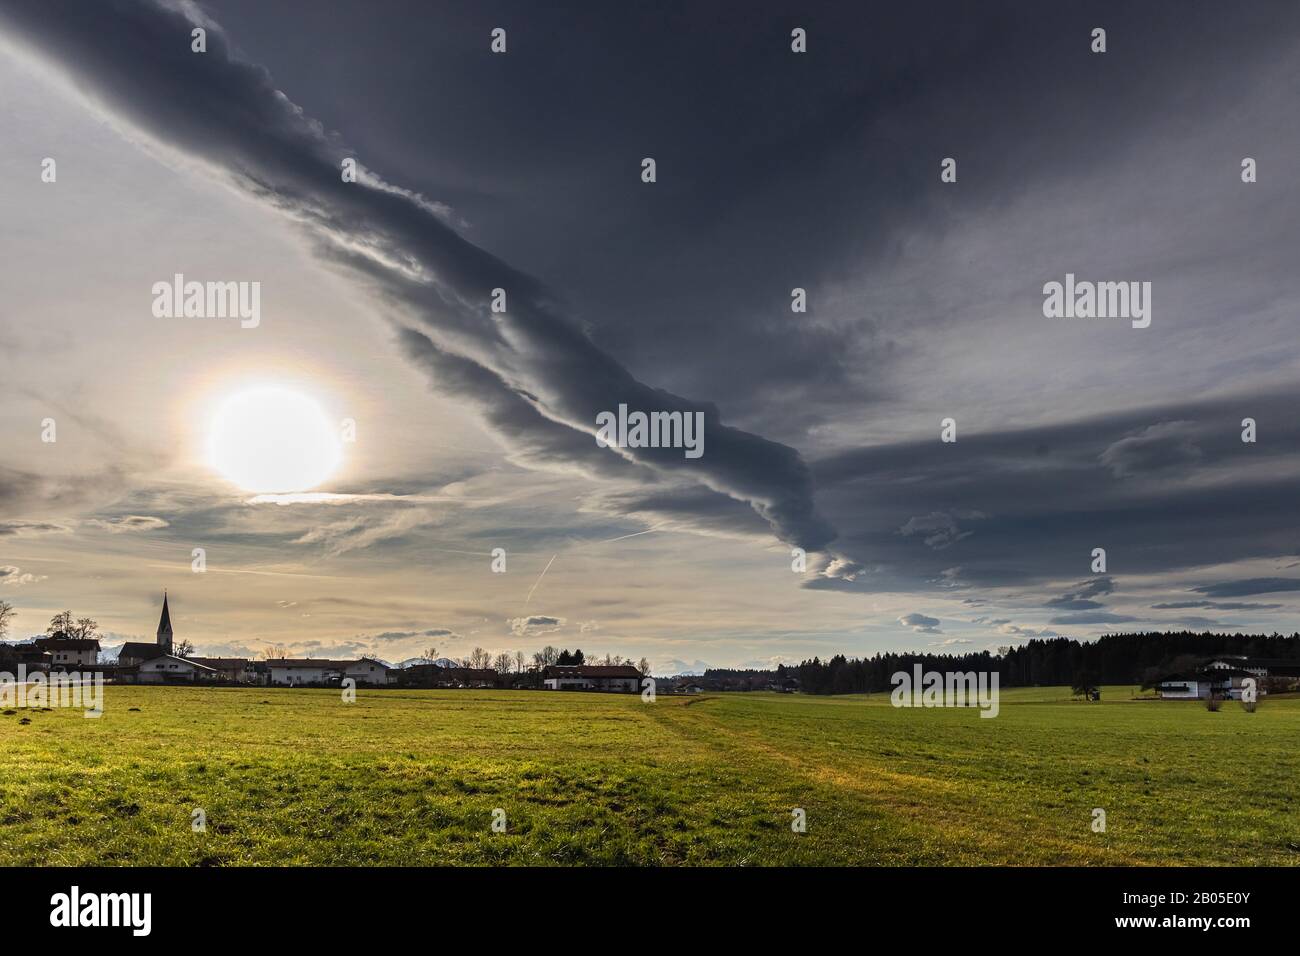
{"points": [[556, 555], [625, 536], [539, 578]]}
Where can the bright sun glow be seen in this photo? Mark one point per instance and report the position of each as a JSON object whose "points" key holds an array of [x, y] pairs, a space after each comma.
{"points": [[273, 439]]}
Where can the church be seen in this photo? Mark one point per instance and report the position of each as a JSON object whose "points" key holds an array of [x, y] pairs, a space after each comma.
{"points": [[156, 663], [139, 662], [137, 652]]}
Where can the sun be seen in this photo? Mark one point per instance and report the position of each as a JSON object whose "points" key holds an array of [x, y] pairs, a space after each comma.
{"points": [[272, 439]]}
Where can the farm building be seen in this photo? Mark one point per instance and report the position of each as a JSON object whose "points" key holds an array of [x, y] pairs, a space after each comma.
{"points": [[1225, 676], [1184, 687], [370, 671], [169, 669], [69, 652], [236, 670], [301, 671], [622, 678], [32, 657], [307, 671]]}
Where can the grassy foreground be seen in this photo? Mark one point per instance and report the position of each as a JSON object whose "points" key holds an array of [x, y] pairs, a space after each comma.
{"points": [[298, 777]]}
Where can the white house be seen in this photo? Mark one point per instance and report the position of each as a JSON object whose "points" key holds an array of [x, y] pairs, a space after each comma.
{"points": [[68, 652], [371, 671], [1238, 663], [1183, 688], [299, 671], [622, 678], [169, 668], [1223, 682]]}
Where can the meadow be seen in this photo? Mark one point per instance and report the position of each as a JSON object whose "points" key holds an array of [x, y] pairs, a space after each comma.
{"points": [[413, 777]]}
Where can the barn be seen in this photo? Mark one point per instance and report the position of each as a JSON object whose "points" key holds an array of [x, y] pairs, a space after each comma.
{"points": [[621, 678]]}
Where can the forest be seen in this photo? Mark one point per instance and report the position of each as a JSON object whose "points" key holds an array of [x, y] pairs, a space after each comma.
{"points": [[1113, 659]]}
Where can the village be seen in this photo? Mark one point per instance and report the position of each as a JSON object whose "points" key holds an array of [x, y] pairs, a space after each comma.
{"points": [[166, 661]]}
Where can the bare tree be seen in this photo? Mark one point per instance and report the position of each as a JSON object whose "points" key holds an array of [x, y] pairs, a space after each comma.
{"points": [[519, 662], [644, 667], [503, 663], [429, 655], [183, 648], [7, 613], [275, 652], [64, 625]]}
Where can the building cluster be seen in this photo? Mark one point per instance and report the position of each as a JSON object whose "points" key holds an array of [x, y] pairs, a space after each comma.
{"points": [[1227, 676], [714, 681], [144, 662]]}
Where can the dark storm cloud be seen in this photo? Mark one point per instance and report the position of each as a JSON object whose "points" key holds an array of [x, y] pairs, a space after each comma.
{"points": [[775, 170], [1217, 605], [1053, 484], [530, 436], [135, 58], [1155, 448], [1081, 597], [683, 508], [1249, 586], [938, 529]]}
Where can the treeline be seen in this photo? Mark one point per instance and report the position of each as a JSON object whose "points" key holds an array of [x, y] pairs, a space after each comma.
{"points": [[1113, 659]]}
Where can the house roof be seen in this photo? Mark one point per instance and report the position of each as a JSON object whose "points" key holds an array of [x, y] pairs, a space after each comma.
{"points": [[67, 643], [1265, 662], [309, 662], [220, 662], [1215, 676], [141, 649], [183, 660], [592, 670]]}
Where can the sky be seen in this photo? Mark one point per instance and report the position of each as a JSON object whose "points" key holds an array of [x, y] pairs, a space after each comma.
{"points": [[774, 170]]}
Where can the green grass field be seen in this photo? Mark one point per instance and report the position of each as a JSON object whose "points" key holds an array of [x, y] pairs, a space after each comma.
{"points": [[298, 777]]}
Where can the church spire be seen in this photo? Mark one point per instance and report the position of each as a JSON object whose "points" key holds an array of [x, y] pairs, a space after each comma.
{"points": [[165, 627]]}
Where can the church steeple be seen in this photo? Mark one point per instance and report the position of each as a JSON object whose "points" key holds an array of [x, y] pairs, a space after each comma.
{"points": [[165, 628]]}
